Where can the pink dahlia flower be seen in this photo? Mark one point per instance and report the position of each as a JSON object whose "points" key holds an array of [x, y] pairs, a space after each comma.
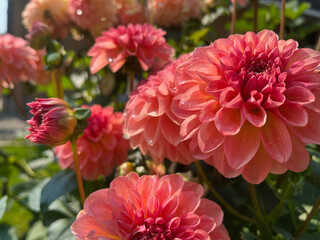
{"points": [[142, 42], [100, 147], [149, 121], [95, 16], [130, 11], [17, 61], [172, 13], [54, 13], [249, 104], [150, 208], [53, 122]]}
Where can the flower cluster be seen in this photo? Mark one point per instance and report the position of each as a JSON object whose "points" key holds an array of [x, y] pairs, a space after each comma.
{"points": [[150, 208], [138, 45], [100, 147], [247, 105]]}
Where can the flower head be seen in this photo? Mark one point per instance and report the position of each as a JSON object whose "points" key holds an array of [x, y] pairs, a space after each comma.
{"points": [[100, 147], [172, 13], [150, 207], [17, 61], [149, 121], [138, 45], [54, 13], [53, 122], [249, 103], [130, 11], [94, 16]]}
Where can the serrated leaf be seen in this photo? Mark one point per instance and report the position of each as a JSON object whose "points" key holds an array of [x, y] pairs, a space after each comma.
{"points": [[3, 205], [63, 182]]}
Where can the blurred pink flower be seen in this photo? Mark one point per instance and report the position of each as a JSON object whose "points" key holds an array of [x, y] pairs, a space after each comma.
{"points": [[130, 11], [39, 35], [95, 16], [53, 122], [42, 77], [17, 61], [54, 13], [100, 147], [149, 121], [242, 3], [150, 208], [142, 42], [248, 104], [174, 12]]}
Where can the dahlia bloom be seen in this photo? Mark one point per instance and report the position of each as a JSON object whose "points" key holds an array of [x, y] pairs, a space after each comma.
{"points": [[100, 147], [249, 104], [17, 61], [149, 121], [54, 13], [150, 207], [53, 122], [142, 42], [130, 11], [94, 16], [172, 13]]}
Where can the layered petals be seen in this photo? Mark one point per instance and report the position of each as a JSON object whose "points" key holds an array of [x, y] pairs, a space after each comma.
{"points": [[140, 207]]}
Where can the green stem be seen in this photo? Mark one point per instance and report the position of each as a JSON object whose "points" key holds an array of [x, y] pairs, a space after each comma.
{"points": [[55, 74], [255, 15], [77, 169], [283, 18], [308, 219], [256, 204], [219, 197], [234, 17]]}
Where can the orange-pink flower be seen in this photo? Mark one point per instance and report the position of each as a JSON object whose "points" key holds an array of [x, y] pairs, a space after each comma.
{"points": [[172, 13], [51, 12], [249, 104], [53, 122], [101, 147], [130, 11], [95, 16], [42, 76], [150, 207], [143, 44], [17, 61], [149, 121]]}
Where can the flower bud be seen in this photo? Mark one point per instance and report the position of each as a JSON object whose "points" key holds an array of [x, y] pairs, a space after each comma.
{"points": [[53, 122], [39, 36]]}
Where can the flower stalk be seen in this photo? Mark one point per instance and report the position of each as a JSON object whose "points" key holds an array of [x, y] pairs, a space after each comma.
{"points": [[57, 80], [255, 15], [308, 219], [77, 169], [282, 22], [219, 197], [255, 202], [234, 17]]}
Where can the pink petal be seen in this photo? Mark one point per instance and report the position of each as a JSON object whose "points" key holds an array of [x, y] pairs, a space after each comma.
{"points": [[254, 113], [299, 95], [277, 168], [293, 114], [240, 148], [209, 138], [276, 139], [299, 159], [228, 121], [258, 168]]}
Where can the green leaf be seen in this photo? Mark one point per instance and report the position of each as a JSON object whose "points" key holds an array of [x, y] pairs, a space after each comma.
{"points": [[82, 113], [3, 205], [60, 230], [37, 231], [287, 235], [62, 183], [35, 195], [51, 216], [314, 176], [8, 232]]}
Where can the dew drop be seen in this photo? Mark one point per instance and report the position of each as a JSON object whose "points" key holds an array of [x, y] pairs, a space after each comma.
{"points": [[150, 141], [110, 60], [79, 12], [103, 19], [133, 116]]}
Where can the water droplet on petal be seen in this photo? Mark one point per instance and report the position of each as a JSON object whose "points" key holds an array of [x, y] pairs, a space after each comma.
{"points": [[110, 60], [150, 141], [133, 116], [79, 12]]}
